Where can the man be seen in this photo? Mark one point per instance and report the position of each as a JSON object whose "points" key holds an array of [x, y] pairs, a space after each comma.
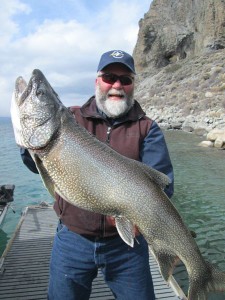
{"points": [[86, 241]]}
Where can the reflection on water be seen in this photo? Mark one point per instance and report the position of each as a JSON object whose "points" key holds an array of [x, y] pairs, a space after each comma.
{"points": [[199, 196]]}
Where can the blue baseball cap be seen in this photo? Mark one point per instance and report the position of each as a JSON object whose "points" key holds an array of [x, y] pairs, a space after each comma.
{"points": [[116, 56]]}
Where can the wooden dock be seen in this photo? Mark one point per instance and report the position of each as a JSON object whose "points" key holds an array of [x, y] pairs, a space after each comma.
{"points": [[25, 262]]}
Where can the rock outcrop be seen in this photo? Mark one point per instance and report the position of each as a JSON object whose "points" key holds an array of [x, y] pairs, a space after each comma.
{"points": [[179, 59], [173, 30], [215, 138]]}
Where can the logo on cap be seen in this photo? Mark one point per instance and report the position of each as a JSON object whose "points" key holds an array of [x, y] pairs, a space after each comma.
{"points": [[117, 54]]}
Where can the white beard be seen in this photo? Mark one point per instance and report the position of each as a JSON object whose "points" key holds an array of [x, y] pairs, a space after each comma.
{"points": [[112, 108]]}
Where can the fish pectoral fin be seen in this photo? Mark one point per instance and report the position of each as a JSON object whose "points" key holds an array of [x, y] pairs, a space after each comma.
{"points": [[125, 229], [166, 262]]}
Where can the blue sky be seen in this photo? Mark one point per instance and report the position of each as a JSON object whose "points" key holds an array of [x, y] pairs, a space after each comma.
{"points": [[64, 39]]}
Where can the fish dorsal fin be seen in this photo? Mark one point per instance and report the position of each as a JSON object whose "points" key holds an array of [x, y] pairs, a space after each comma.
{"points": [[158, 177], [125, 229]]}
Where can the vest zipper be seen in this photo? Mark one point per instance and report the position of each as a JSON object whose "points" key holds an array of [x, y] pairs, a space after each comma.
{"points": [[102, 226], [108, 134]]}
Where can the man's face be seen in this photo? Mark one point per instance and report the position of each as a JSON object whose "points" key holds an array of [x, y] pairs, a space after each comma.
{"points": [[114, 99]]}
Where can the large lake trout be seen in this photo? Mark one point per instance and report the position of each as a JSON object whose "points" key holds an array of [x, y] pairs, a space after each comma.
{"points": [[89, 174]]}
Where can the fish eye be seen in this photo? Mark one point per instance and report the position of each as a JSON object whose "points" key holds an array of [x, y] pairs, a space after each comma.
{"points": [[40, 92]]}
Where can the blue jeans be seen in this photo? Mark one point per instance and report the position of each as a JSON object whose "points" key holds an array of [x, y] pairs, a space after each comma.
{"points": [[75, 262]]}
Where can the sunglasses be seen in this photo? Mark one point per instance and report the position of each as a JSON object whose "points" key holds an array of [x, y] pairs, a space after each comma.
{"points": [[112, 78]]}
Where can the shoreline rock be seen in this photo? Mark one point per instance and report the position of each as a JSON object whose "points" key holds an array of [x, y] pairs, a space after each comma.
{"points": [[209, 123], [217, 137]]}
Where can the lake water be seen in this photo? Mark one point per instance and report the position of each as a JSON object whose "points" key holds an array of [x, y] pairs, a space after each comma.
{"points": [[29, 189], [199, 191], [200, 196]]}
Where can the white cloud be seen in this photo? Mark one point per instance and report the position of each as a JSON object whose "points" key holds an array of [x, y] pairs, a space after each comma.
{"points": [[7, 10], [66, 50]]}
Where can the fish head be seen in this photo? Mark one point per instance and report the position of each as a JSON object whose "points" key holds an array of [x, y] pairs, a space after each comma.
{"points": [[35, 111]]}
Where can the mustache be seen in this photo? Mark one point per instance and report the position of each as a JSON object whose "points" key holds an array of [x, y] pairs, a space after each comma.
{"points": [[116, 93]]}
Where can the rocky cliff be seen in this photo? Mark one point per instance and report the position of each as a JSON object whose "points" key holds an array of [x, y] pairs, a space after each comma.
{"points": [[180, 61], [174, 30]]}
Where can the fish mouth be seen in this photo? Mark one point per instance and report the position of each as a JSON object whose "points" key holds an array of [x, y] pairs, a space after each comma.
{"points": [[20, 88], [24, 90], [20, 85]]}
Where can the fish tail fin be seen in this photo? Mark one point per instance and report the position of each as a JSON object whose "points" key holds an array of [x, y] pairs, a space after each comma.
{"points": [[214, 281], [166, 262]]}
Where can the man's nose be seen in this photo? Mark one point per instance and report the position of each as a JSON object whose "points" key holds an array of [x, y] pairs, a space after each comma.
{"points": [[117, 84]]}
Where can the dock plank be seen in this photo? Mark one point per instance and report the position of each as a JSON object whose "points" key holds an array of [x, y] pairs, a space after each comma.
{"points": [[24, 264]]}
